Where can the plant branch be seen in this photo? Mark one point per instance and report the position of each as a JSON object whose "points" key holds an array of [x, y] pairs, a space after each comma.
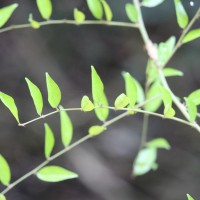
{"points": [[72, 22]]}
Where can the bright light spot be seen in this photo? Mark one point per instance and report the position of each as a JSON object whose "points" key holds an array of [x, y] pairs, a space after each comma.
{"points": [[191, 3]]}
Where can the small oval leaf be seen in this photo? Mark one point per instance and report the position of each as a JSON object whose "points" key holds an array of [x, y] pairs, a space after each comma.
{"points": [[55, 174], [95, 8], [131, 12], [66, 127], [192, 35], [121, 101], [49, 141], [181, 15], [99, 96], [9, 102], [172, 72], [195, 97], [192, 109], [6, 12], [5, 174], [159, 143], [2, 197], [86, 104], [54, 93], [36, 96], [151, 3], [34, 24], [79, 16], [107, 10], [96, 130], [45, 8]]}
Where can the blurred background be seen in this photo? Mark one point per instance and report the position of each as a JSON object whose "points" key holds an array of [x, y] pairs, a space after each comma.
{"points": [[66, 52]]}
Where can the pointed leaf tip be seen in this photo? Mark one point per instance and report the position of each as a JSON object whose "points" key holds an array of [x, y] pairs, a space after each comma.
{"points": [[79, 16], [45, 8], [95, 8], [121, 101], [86, 104], [190, 197]]}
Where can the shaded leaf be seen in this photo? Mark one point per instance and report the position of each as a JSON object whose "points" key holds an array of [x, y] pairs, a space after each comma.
{"points": [[192, 109], [190, 197], [172, 72], [9, 102], [131, 12], [144, 161], [6, 12], [107, 10], [99, 96], [151, 71], [66, 127], [195, 97], [159, 143], [86, 104], [49, 141], [181, 15], [96, 130], [121, 101], [192, 35], [95, 8], [34, 24], [55, 174], [54, 93], [151, 3], [79, 16], [5, 174], [45, 8], [36, 96]]}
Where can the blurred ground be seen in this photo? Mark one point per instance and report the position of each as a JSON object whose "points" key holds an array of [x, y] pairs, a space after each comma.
{"points": [[104, 163]]}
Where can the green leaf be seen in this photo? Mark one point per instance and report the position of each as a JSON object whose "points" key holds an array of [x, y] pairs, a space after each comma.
{"points": [[181, 15], [45, 8], [159, 143], [169, 112], [6, 12], [54, 93], [49, 141], [131, 12], [151, 3], [165, 50], [155, 97], [86, 104], [55, 174], [99, 96], [36, 96], [192, 109], [151, 71], [107, 10], [9, 102], [5, 174], [131, 88], [190, 197], [34, 24], [144, 161], [140, 92], [96, 130], [195, 97], [2, 197], [79, 16], [172, 72], [121, 101], [192, 35], [66, 127], [95, 8]]}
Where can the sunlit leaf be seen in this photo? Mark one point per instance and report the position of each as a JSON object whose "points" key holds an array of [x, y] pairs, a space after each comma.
{"points": [[107, 10], [169, 111], [34, 24], [86, 104], [95, 8], [131, 12], [155, 98], [144, 161], [172, 72], [140, 92], [2, 197], [49, 141], [66, 127], [99, 96], [190, 197], [6, 12], [158, 143], [131, 88], [55, 174], [79, 16], [192, 35], [182, 17], [36, 96], [96, 130], [54, 93], [192, 109], [5, 174], [195, 97], [151, 3], [9, 102], [45, 8], [121, 101]]}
